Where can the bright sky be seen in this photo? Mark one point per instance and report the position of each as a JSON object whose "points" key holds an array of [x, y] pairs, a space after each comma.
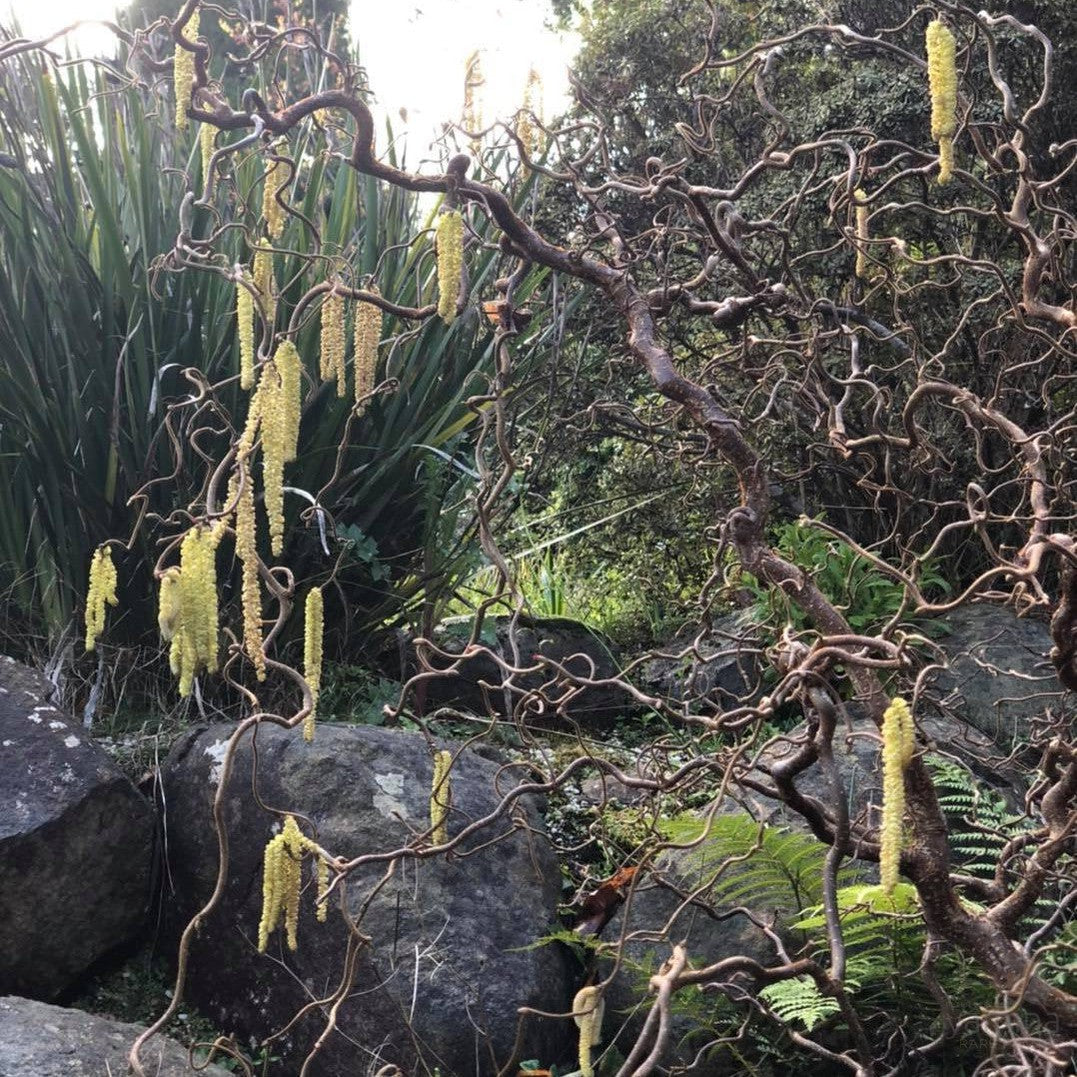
{"points": [[413, 50]]}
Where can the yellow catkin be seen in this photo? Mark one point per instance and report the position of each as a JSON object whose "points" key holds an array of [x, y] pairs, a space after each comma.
{"points": [[282, 879], [207, 137], [942, 81], [245, 331], [899, 744], [100, 592], [368, 326], [526, 130], [275, 433], [247, 551], [587, 1011], [183, 72], [290, 368], [262, 272], [473, 83], [272, 210], [440, 798], [321, 905], [333, 343], [863, 265], [450, 251], [198, 574], [313, 632]]}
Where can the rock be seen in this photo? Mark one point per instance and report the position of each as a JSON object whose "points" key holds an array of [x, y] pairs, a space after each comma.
{"points": [[37, 1040], [443, 974], [75, 846], [711, 670], [1000, 679], [477, 685]]}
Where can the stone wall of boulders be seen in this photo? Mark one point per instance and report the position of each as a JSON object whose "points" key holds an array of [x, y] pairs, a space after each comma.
{"points": [[440, 969]]}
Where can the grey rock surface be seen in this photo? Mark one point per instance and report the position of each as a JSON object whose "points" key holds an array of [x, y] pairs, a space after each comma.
{"points": [[444, 972], [38, 1040], [75, 845], [710, 671], [1000, 679]]}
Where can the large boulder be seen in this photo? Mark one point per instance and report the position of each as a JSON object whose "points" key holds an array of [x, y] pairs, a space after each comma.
{"points": [[542, 696], [1000, 679], [709, 670], [37, 1040], [446, 966], [76, 842]]}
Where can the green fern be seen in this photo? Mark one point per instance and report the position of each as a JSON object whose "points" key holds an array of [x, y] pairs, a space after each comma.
{"points": [[799, 1001], [751, 863]]}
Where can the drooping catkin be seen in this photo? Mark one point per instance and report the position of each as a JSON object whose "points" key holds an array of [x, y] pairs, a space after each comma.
{"points": [[440, 798], [863, 266], [899, 744], [450, 252], [474, 80], [100, 592], [313, 631], [333, 345], [245, 329], [368, 326], [207, 137], [290, 368], [942, 82], [526, 130], [587, 1011], [262, 272], [183, 72], [275, 433], [198, 575], [247, 551], [272, 210]]}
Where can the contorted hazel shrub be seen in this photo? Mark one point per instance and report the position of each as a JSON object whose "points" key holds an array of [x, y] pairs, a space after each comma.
{"points": [[942, 81], [183, 72], [450, 251], [100, 593]]}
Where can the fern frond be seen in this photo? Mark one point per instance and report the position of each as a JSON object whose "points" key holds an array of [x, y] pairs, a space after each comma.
{"points": [[799, 1000]]}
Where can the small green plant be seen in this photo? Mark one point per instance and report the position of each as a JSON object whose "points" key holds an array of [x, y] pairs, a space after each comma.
{"points": [[867, 597], [355, 694]]}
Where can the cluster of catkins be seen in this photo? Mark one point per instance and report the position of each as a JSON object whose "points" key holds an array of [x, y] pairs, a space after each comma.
{"points": [[282, 880]]}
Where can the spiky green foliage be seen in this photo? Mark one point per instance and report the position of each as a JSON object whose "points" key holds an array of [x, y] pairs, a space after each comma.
{"points": [[95, 334]]}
